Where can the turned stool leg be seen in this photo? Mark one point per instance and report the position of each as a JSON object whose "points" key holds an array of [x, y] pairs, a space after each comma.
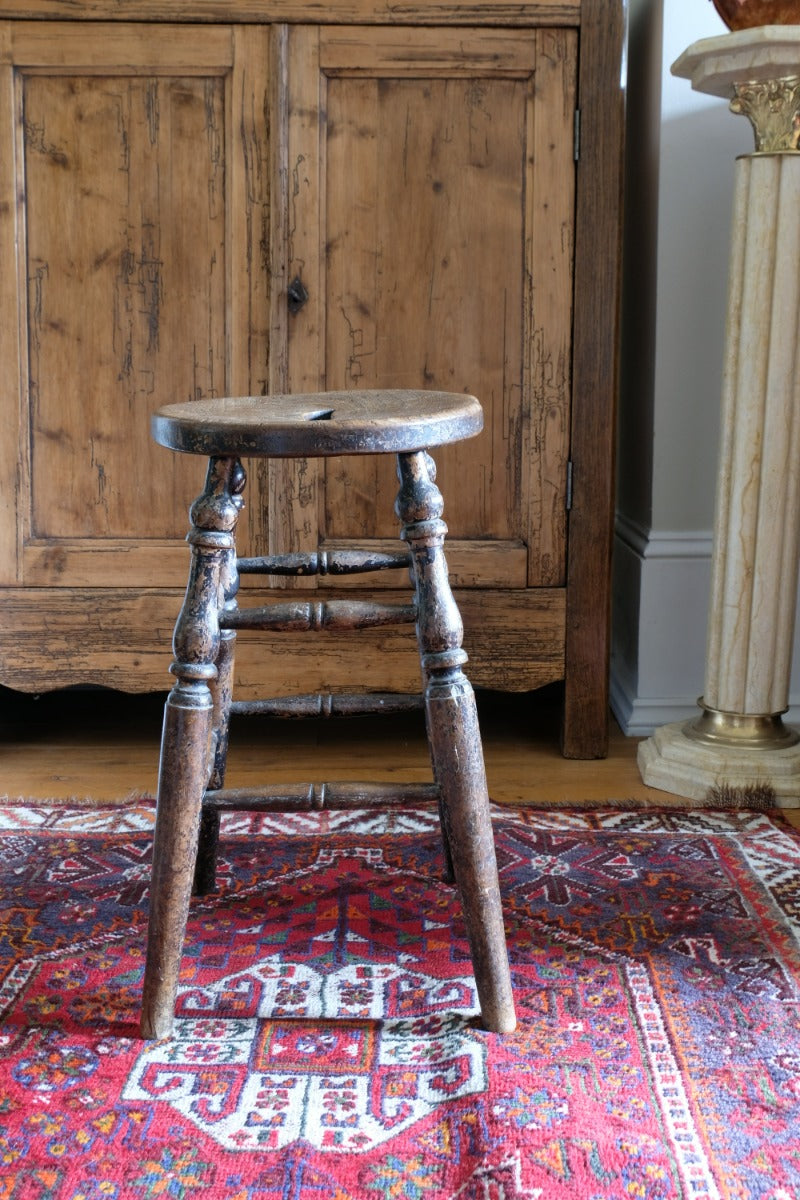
{"points": [[186, 746], [455, 740]]}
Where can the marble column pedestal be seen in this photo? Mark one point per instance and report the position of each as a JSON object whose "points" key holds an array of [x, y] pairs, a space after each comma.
{"points": [[738, 751]]}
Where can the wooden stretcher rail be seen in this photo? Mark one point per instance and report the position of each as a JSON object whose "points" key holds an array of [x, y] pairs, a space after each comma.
{"points": [[316, 797], [324, 562], [329, 704], [319, 614]]}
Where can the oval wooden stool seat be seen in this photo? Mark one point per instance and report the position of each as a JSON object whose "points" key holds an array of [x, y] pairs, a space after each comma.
{"points": [[191, 785], [368, 422]]}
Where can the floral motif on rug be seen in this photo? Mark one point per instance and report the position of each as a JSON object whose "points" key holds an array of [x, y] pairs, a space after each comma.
{"points": [[326, 1039]]}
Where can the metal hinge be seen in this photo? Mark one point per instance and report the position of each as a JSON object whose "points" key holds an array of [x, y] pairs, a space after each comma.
{"points": [[569, 485], [576, 135]]}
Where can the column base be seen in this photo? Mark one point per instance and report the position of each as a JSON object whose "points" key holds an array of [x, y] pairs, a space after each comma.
{"points": [[720, 776]]}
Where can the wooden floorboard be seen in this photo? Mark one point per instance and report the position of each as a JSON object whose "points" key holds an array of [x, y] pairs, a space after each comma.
{"points": [[103, 747]]}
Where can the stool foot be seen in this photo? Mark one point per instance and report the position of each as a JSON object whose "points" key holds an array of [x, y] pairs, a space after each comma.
{"points": [[182, 781]]}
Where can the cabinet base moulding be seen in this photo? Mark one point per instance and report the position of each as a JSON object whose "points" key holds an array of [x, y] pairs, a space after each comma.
{"points": [[121, 639]]}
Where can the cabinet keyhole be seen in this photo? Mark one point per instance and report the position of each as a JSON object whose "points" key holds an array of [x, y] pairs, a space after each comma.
{"points": [[296, 294]]}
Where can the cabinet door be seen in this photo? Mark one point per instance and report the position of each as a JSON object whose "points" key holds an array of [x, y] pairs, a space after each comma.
{"points": [[134, 182], [431, 187]]}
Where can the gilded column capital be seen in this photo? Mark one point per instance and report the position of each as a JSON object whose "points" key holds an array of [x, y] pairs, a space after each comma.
{"points": [[772, 106], [758, 72]]}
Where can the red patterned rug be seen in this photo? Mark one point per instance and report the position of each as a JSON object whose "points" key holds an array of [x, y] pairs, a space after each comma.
{"points": [[326, 1047]]}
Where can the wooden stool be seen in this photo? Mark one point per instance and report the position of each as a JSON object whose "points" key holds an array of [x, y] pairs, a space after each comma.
{"points": [[195, 736]]}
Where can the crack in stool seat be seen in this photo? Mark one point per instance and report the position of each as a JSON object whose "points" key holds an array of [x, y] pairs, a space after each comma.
{"points": [[191, 791]]}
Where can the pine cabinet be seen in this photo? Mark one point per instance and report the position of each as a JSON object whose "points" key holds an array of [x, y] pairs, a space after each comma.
{"points": [[166, 187]]}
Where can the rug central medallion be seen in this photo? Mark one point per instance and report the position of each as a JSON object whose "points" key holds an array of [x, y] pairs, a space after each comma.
{"points": [[352, 1082]]}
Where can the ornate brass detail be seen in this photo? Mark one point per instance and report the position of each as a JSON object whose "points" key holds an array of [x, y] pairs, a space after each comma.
{"points": [[741, 731], [773, 109]]}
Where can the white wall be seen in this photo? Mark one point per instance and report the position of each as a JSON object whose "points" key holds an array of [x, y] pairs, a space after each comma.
{"points": [[681, 150], [700, 139]]}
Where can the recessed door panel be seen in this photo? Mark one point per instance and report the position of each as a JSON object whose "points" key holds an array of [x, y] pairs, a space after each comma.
{"points": [[140, 279], [439, 190]]}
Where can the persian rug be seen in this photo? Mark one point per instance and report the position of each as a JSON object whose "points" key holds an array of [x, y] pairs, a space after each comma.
{"points": [[326, 1044]]}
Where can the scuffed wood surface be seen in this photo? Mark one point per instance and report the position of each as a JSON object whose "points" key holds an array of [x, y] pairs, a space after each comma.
{"points": [[116, 44], [13, 446], [515, 641], [322, 424], [84, 563], [316, 797], [415, 12], [329, 705], [547, 339]]}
